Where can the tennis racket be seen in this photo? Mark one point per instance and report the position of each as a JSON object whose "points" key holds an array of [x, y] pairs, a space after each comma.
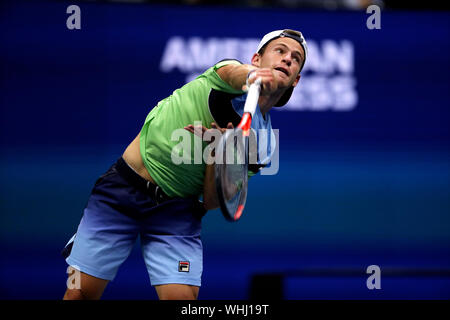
{"points": [[232, 158]]}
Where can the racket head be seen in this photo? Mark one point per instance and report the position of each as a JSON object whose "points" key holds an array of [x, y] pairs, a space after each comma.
{"points": [[231, 173]]}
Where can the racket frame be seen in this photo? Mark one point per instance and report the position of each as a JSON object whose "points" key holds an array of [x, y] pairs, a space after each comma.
{"points": [[250, 106]]}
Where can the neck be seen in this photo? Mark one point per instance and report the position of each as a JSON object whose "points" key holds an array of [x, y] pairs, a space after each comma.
{"points": [[267, 102]]}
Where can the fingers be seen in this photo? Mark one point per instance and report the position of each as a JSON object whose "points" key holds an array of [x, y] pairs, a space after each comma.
{"points": [[200, 130], [215, 126], [189, 128], [268, 82], [197, 130]]}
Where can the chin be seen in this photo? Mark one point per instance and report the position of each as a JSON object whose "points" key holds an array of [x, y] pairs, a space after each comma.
{"points": [[285, 83]]}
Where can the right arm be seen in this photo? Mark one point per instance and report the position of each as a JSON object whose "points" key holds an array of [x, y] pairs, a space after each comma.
{"points": [[235, 75]]}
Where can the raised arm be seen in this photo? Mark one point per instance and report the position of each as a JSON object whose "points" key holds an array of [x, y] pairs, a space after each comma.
{"points": [[235, 75]]}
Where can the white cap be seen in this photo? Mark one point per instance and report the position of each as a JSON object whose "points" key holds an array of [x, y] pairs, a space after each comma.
{"points": [[296, 35], [293, 34]]}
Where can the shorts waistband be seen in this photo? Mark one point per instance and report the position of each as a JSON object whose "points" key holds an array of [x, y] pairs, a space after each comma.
{"points": [[153, 190]]}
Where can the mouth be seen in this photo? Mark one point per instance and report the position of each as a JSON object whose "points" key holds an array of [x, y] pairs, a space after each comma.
{"points": [[283, 70]]}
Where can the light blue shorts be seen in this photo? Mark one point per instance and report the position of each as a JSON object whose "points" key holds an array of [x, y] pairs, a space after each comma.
{"points": [[117, 213]]}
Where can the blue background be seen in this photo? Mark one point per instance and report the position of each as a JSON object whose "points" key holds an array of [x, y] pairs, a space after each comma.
{"points": [[368, 186]]}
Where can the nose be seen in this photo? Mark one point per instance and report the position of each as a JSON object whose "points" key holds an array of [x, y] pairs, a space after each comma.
{"points": [[287, 58]]}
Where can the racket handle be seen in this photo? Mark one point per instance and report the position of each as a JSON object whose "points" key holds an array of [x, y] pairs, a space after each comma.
{"points": [[252, 97]]}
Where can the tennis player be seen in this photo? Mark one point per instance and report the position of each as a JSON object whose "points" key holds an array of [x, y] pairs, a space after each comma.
{"points": [[145, 194]]}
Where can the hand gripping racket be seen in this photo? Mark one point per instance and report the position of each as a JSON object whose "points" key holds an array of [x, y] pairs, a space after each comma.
{"points": [[231, 168]]}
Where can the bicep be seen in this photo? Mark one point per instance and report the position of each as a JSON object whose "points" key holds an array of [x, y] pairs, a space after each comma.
{"points": [[234, 75], [225, 73]]}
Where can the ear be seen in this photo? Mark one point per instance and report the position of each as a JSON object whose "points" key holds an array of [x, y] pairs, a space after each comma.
{"points": [[256, 60], [297, 79]]}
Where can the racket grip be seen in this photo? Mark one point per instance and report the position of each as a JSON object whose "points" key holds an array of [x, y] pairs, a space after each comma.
{"points": [[252, 97]]}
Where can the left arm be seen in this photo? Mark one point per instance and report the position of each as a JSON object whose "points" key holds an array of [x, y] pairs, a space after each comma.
{"points": [[210, 198]]}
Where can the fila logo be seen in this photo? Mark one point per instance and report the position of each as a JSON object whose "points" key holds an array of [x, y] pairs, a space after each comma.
{"points": [[183, 266]]}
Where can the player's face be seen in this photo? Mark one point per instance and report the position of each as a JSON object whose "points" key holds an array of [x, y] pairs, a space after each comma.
{"points": [[285, 56]]}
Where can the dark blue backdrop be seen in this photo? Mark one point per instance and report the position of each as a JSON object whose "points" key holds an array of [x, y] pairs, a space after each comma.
{"points": [[368, 185]]}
